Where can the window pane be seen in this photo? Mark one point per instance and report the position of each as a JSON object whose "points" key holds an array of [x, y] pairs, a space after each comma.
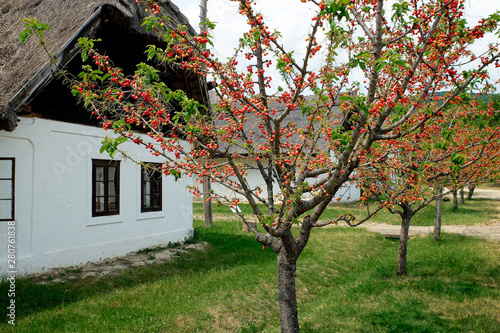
{"points": [[156, 187], [99, 188], [147, 201], [6, 169], [5, 209], [151, 187], [112, 174], [99, 204], [99, 173], [112, 204], [147, 188], [5, 189], [157, 176], [156, 201], [112, 188]]}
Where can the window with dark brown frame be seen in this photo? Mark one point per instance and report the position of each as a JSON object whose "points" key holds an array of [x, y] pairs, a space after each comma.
{"points": [[7, 188], [105, 187], [151, 187]]}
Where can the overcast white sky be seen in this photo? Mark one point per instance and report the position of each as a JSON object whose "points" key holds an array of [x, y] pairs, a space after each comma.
{"points": [[290, 17]]}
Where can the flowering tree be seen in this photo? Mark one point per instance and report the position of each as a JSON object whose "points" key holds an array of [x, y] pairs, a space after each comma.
{"points": [[406, 52], [454, 149]]}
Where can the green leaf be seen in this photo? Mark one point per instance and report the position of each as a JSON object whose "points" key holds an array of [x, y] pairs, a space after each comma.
{"points": [[111, 152], [402, 63], [458, 159], [25, 35], [84, 55], [121, 124], [42, 26], [104, 77], [441, 145], [151, 51], [120, 140], [175, 173], [379, 60], [362, 107], [381, 65]]}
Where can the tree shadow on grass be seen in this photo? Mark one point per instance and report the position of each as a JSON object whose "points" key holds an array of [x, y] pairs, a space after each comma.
{"points": [[416, 316], [411, 316], [455, 274], [226, 249]]}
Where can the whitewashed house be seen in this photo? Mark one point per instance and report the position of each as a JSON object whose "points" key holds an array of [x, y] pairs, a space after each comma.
{"points": [[69, 203]]}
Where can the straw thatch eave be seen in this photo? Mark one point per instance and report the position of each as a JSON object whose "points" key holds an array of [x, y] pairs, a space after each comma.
{"points": [[24, 69]]}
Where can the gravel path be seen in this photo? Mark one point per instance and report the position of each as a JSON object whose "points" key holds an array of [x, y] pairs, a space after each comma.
{"points": [[115, 265], [491, 231]]}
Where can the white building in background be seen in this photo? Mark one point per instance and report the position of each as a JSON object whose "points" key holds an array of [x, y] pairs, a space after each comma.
{"points": [[347, 193]]}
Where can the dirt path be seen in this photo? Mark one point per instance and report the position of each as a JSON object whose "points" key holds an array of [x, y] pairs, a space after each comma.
{"points": [[491, 231]]}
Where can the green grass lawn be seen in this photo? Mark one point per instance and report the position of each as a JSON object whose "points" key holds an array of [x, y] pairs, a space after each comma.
{"points": [[474, 211], [346, 282]]}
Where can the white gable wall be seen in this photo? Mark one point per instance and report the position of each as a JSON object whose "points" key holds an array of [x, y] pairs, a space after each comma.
{"points": [[53, 179]]}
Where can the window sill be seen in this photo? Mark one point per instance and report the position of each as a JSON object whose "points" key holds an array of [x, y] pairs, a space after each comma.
{"points": [[101, 220], [151, 215]]}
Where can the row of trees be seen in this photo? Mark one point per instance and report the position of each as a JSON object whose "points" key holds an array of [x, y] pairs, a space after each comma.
{"points": [[401, 140], [459, 147]]}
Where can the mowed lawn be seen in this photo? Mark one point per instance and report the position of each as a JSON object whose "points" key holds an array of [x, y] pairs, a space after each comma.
{"points": [[346, 282]]}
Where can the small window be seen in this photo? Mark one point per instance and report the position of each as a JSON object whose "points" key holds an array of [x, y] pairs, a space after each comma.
{"points": [[151, 186], [7, 188], [105, 187]]}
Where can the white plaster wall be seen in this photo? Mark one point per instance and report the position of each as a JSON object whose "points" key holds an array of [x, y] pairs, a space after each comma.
{"points": [[23, 150], [54, 223]]}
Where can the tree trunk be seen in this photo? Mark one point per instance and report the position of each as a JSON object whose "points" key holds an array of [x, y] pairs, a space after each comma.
{"points": [[287, 293], [462, 200], [439, 213], [471, 191], [207, 202], [403, 242], [455, 200]]}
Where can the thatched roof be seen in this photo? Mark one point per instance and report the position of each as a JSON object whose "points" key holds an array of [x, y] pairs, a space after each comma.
{"points": [[24, 69]]}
